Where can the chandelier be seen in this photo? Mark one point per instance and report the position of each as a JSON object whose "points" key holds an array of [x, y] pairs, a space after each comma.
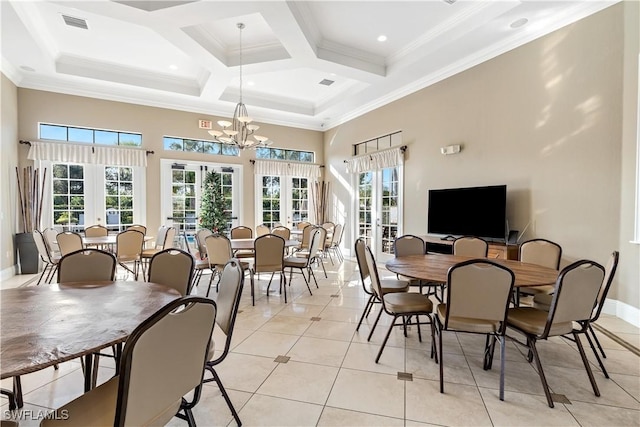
{"points": [[239, 129]]}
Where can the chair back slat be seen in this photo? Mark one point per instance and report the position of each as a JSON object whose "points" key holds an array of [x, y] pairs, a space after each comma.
{"points": [[218, 249], [282, 231], [87, 265], [129, 244], [173, 268], [262, 229], [269, 253], [541, 252], [241, 232], [69, 242], [169, 238], [409, 245], [138, 227], [231, 283], [470, 246], [41, 245], [575, 293], [96, 231], [479, 289], [360, 258], [154, 375], [201, 235]]}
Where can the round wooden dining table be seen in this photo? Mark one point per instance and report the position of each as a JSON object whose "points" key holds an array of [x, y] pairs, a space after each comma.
{"points": [[45, 325], [434, 268]]}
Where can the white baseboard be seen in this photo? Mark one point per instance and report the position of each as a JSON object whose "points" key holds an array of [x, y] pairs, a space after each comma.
{"points": [[622, 310], [8, 272]]}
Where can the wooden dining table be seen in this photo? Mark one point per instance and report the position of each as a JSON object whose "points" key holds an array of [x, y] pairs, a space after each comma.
{"points": [[434, 268], [42, 326]]}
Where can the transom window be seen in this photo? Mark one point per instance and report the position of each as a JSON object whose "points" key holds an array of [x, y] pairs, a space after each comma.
{"points": [[377, 144], [172, 143], [89, 136], [284, 154]]}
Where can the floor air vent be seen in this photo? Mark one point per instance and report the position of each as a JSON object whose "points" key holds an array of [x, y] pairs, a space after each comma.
{"points": [[75, 22]]}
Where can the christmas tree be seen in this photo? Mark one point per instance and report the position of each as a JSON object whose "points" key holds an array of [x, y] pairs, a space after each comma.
{"points": [[212, 209]]}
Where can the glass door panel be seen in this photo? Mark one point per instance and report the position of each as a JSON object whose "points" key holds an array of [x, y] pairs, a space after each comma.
{"points": [[283, 200]]}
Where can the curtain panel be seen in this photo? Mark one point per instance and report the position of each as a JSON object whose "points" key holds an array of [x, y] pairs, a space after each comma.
{"points": [[274, 167], [379, 160], [88, 154]]}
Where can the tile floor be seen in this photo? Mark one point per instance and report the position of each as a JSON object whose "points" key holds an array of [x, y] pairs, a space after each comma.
{"points": [[331, 378]]}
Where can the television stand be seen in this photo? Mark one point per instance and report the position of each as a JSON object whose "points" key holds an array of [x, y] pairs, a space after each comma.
{"points": [[498, 250]]}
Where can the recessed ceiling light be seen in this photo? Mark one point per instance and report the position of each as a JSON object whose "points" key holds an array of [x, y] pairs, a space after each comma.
{"points": [[27, 68], [251, 83], [519, 23], [173, 66], [382, 38]]}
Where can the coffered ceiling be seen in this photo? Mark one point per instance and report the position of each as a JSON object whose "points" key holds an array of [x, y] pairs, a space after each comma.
{"points": [[185, 54]]}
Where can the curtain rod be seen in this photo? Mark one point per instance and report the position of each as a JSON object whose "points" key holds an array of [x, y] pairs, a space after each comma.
{"points": [[92, 146], [403, 148], [253, 162]]}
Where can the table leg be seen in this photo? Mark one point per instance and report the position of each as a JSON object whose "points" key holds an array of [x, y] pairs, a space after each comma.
{"points": [[88, 371]]}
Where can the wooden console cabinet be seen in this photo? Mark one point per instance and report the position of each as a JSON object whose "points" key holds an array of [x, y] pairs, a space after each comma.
{"points": [[496, 250]]}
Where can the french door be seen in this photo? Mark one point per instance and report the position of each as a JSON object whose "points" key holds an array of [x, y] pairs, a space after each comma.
{"points": [[181, 191], [281, 199], [379, 209], [81, 195]]}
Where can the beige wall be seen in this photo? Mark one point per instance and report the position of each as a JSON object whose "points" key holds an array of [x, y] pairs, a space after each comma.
{"points": [[9, 161], [628, 289], [37, 106], [545, 119]]}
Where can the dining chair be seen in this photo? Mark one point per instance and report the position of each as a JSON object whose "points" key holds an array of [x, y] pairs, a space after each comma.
{"points": [[69, 242], [96, 231], [52, 243], [408, 245], [282, 231], [49, 261], [201, 263], [335, 242], [304, 262], [302, 225], [478, 295], [219, 252], [262, 229], [138, 227], [574, 297], [306, 238], [242, 232], [128, 249], [470, 246], [228, 301], [164, 240], [269, 258], [543, 302], [540, 252], [329, 227], [174, 268], [154, 376], [387, 285], [87, 265], [402, 305], [329, 241]]}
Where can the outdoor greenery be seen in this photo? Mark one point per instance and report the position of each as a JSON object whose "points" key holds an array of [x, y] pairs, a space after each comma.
{"points": [[213, 213]]}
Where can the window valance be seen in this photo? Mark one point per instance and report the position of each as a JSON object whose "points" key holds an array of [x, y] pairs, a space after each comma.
{"points": [[274, 167], [88, 154], [379, 160]]}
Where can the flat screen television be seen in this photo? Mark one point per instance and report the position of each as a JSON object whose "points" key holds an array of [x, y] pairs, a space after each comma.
{"points": [[471, 211]]}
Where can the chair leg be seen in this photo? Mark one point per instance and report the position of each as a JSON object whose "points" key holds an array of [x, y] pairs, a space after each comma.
{"points": [[305, 280], [253, 298], [595, 353], [311, 273], [216, 378], [213, 274], [283, 278], [595, 338], [364, 312], [384, 342], [440, 359], [373, 328], [585, 362], [502, 364], [534, 352]]}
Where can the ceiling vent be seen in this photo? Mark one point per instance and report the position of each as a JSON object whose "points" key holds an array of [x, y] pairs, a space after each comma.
{"points": [[450, 1], [327, 82], [75, 22]]}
